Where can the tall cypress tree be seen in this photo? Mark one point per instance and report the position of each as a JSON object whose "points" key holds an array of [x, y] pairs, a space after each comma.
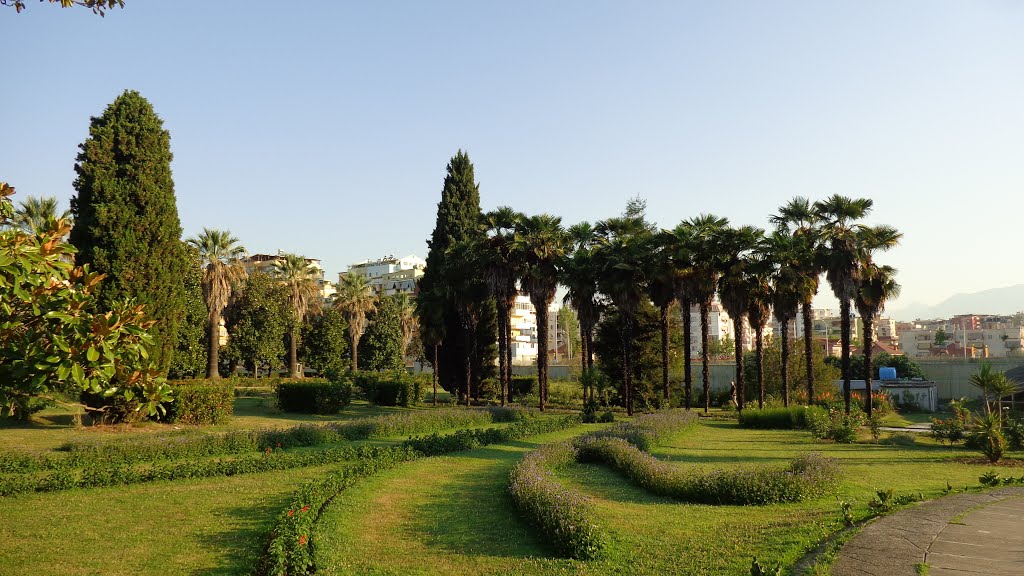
{"points": [[458, 222], [126, 217]]}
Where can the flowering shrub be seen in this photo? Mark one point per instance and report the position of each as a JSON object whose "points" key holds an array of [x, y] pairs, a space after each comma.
{"points": [[808, 476], [563, 515], [647, 430]]}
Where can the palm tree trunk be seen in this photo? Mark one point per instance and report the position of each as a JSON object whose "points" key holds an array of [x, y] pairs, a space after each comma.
{"points": [[684, 303], [738, 333], [784, 325], [502, 343], [583, 362], [435, 373], [705, 308], [213, 360], [809, 351], [759, 336], [468, 375], [542, 353], [355, 353], [844, 332], [867, 365], [293, 353], [664, 352], [627, 364], [508, 352]]}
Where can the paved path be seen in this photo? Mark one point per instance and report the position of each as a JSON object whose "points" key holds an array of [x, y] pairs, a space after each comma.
{"points": [[963, 535]]}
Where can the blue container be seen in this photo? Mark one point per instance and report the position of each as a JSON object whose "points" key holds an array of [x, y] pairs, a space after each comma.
{"points": [[886, 373]]}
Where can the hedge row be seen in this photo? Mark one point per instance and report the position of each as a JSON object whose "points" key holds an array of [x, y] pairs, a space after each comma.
{"points": [[105, 475], [809, 476], [189, 445], [313, 396], [563, 515], [793, 417], [391, 388], [648, 430], [201, 402], [290, 550]]}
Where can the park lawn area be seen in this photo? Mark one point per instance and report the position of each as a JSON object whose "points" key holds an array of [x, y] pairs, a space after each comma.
{"points": [[452, 514], [205, 526], [904, 419], [53, 427]]}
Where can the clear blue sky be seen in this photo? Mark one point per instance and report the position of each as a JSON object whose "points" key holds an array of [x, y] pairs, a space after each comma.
{"points": [[324, 128]]}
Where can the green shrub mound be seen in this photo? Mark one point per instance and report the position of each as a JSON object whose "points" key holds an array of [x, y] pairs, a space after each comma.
{"points": [[809, 476], [792, 418], [647, 430], [310, 396], [522, 386], [392, 388], [201, 402], [563, 515], [289, 550]]}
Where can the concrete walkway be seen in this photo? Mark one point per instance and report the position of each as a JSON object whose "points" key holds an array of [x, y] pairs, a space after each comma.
{"points": [[963, 535]]}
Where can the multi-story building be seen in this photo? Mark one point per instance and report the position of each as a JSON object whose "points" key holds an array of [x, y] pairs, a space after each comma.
{"points": [[265, 262], [524, 331], [390, 275], [958, 342]]}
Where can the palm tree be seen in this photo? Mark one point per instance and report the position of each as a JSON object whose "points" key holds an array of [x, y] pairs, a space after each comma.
{"points": [[780, 250], [300, 277], [877, 285], [759, 294], [734, 288], [221, 258], [661, 289], [541, 243], [36, 215], [579, 276], [501, 268], [682, 245], [355, 299], [407, 319], [800, 219], [846, 242], [994, 386], [707, 231]]}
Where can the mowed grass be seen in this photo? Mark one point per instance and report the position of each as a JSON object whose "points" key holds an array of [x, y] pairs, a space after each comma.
{"points": [[208, 526], [452, 515]]}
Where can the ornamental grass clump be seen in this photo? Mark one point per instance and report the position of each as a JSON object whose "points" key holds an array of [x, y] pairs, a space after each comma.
{"points": [[563, 515], [809, 476]]}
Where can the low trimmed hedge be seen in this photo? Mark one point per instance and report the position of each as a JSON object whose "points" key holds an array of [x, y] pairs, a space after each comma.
{"points": [[647, 430], [290, 549], [791, 418], [563, 515], [391, 388], [809, 476], [313, 396], [522, 386], [201, 402]]}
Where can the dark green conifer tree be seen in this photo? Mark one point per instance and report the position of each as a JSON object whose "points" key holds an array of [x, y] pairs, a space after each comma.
{"points": [[126, 217], [458, 221]]}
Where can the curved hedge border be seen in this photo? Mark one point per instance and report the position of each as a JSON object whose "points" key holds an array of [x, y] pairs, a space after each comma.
{"points": [[173, 446], [809, 476], [563, 515], [290, 550], [648, 430]]}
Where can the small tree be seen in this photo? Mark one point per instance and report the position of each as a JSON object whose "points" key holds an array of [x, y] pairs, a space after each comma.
{"points": [[381, 345], [994, 387], [257, 319], [325, 342], [941, 337]]}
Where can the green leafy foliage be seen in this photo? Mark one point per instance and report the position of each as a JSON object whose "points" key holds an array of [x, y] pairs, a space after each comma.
{"points": [[380, 348], [313, 396], [126, 217], [834, 424], [51, 337], [905, 367], [201, 402], [325, 343], [189, 359], [794, 417], [257, 320], [987, 435], [396, 388]]}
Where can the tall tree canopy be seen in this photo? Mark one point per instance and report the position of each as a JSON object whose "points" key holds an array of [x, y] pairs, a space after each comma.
{"points": [[258, 318], [190, 355], [220, 256], [381, 346], [126, 216]]}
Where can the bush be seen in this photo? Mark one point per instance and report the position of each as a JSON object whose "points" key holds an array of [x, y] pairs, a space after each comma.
{"points": [[794, 417], [834, 424], [201, 402], [809, 476], [313, 396], [564, 516], [390, 388], [523, 385], [987, 436], [647, 430], [472, 438]]}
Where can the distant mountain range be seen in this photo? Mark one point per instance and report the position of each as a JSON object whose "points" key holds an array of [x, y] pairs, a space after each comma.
{"points": [[1007, 300]]}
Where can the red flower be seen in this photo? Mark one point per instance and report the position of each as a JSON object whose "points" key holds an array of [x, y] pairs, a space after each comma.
{"points": [[302, 540], [305, 508], [291, 512]]}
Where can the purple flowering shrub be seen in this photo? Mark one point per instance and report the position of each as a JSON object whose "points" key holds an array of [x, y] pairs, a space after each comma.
{"points": [[563, 515], [648, 430], [809, 476]]}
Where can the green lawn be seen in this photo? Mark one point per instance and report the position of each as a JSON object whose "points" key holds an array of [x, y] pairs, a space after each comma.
{"points": [[451, 514]]}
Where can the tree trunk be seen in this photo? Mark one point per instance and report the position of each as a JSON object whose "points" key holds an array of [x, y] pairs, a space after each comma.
{"points": [[542, 352], [738, 333], [784, 325], [435, 373], [293, 353], [684, 303], [705, 308], [468, 367], [844, 332], [583, 364], [867, 365], [502, 343], [355, 353], [759, 336], [809, 351], [664, 352], [627, 364], [508, 353], [213, 360]]}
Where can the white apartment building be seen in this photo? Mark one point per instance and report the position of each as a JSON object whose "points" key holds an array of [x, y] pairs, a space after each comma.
{"points": [[524, 331], [972, 343], [390, 275], [264, 262]]}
